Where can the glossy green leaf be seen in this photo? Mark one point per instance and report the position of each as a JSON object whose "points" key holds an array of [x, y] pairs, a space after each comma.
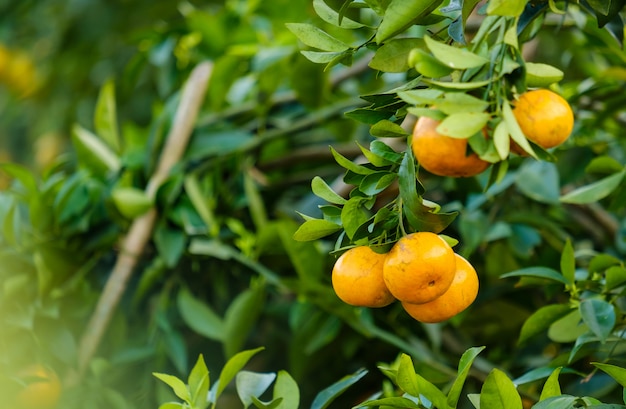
{"points": [[540, 320], [392, 401], [393, 56], [568, 327], [539, 181], [287, 389], [273, 404], [383, 150], [502, 140], [374, 159], [604, 164], [178, 386], [198, 382], [349, 165], [317, 38], [538, 272], [460, 102], [594, 191], [321, 189], [199, 316], [507, 8], [454, 57], [426, 64], [615, 276], [400, 14], [326, 396], [551, 387], [465, 364], [463, 124], [616, 372], [105, 116], [353, 215], [376, 182], [514, 129], [252, 384], [542, 75], [331, 16], [92, 151], [387, 129], [557, 402], [459, 85], [131, 202], [321, 57], [170, 243], [231, 369], [406, 378], [599, 316], [498, 392], [315, 229]]}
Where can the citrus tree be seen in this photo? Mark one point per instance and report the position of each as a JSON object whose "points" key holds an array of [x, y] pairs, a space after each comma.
{"points": [[460, 244]]}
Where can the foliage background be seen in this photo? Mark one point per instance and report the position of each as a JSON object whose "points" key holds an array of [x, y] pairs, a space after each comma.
{"points": [[236, 279]]}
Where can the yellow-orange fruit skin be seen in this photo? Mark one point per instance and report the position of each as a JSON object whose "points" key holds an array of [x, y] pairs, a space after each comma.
{"points": [[357, 278], [419, 267], [461, 294], [443, 155], [545, 117], [43, 389]]}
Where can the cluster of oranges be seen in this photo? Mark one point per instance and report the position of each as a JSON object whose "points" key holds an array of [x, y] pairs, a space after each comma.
{"points": [[421, 270], [544, 117]]}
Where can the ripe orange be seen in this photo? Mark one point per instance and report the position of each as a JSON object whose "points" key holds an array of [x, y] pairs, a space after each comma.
{"points": [[42, 390], [458, 297], [419, 267], [443, 155], [357, 278], [545, 117]]}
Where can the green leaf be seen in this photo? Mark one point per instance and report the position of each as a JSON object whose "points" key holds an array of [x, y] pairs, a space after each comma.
{"points": [[538, 272], [92, 151], [540, 320], [353, 215], [568, 327], [105, 118], [199, 316], [374, 159], [539, 181], [498, 392], [349, 165], [406, 378], [454, 57], [557, 402], [170, 243], [287, 389], [330, 16], [465, 364], [426, 64], [551, 387], [387, 129], [273, 404], [383, 150], [314, 229], [615, 372], [323, 191], [460, 85], [400, 14], [594, 191], [198, 382], [376, 182], [314, 37], [601, 262], [604, 164], [252, 384], [241, 316], [599, 316], [542, 75], [392, 401], [502, 140], [463, 124], [231, 369], [326, 396], [615, 276], [178, 386], [460, 102], [514, 129], [131, 202], [172, 405], [506, 8], [568, 261], [393, 56]]}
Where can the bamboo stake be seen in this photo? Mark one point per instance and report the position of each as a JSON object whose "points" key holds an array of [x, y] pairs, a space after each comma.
{"points": [[141, 229]]}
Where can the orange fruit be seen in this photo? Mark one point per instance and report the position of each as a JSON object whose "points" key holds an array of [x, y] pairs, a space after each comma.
{"points": [[544, 117], [419, 267], [443, 155], [42, 390], [458, 297], [357, 278]]}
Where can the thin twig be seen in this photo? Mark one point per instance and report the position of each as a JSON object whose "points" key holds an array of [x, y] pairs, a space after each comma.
{"points": [[140, 231]]}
